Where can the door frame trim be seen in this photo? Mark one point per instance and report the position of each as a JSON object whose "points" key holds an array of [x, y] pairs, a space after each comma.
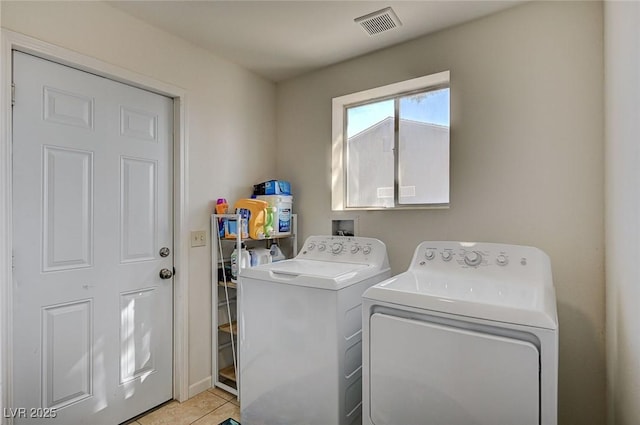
{"points": [[10, 41]]}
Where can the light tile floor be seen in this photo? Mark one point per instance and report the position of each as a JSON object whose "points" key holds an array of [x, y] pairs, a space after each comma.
{"points": [[207, 408]]}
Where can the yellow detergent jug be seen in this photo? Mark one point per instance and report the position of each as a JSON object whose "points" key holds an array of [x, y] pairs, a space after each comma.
{"points": [[254, 213]]}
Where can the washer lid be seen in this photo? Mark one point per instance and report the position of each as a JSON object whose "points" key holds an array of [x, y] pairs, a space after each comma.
{"points": [[320, 269], [313, 273], [502, 301]]}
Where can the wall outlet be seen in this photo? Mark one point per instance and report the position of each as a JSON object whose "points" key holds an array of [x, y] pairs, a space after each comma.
{"points": [[199, 238]]}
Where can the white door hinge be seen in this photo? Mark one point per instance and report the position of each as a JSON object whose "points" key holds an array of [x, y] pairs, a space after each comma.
{"points": [[13, 94]]}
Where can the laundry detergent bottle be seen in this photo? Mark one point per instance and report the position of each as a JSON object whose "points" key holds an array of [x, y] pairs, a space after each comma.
{"points": [[242, 259], [276, 253]]}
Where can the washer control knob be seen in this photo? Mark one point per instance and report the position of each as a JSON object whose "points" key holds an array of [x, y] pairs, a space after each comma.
{"points": [[354, 249], [429, 254], [311, 246], [336, 248], [366, 250], [472, 258], [446, 256], [322, 247], [502, 260]]}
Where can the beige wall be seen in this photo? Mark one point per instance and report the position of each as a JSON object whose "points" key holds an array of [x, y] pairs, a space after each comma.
{"points": [[526, 159], [527, 146], [230, 120], [622, 70]]}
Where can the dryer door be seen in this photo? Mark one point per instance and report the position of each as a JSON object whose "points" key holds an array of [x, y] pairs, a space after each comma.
{"points": [[425, 373]]}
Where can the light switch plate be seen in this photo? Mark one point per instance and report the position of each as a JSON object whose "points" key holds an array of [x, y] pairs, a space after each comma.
{"points": [[199, 238]]}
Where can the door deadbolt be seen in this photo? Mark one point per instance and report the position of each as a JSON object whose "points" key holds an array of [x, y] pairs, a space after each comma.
{"points": [[164, 251]]}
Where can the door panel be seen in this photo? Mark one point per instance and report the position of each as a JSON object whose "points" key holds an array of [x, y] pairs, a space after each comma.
{"points": [[67, 108], [67, 374], [138, 124], [139, 209], [136, 353], [67, 209], [92, 179]]}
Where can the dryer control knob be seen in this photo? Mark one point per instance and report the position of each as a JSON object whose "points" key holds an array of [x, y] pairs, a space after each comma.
{"points": [[472, 258], [429, 254], [446, 256], [354, 249], [502, 260], [322, 247], [336, 248], [366, 250], [311, 246]]}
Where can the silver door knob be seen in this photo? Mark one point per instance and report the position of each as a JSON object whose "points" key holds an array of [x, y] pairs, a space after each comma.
{"points": [[166, 274]]}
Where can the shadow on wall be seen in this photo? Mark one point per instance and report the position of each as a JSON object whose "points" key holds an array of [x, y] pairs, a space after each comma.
{"points": [[587, 370]]}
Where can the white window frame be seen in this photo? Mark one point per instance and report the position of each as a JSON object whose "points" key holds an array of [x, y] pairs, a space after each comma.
{"points": [[338, 131]]}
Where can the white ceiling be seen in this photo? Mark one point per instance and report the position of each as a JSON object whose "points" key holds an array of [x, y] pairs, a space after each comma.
{"points": [[284, 39]]}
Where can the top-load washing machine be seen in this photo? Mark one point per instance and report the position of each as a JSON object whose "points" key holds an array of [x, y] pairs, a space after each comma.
{"points": [[300, 326], [468, 335]]}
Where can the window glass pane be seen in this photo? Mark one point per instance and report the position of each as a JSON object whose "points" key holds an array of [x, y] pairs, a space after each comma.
{"points": [[369, 156], [423, 174]]}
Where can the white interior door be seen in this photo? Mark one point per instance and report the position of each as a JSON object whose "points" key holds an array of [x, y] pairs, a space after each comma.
{"points": [[92, 179]]}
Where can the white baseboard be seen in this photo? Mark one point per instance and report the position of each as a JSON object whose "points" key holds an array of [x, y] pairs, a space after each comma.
{"points": [[200, 386]]}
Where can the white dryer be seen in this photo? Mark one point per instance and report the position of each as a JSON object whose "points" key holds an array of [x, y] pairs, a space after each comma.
{"points": [[468, 335], [301, 333]]}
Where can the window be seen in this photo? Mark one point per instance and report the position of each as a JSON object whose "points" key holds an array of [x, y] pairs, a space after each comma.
{"points": [[391, 146]]}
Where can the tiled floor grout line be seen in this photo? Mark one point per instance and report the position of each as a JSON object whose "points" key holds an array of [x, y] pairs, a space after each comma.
{"points": [[208, 413], [229, 407], [217, 408]]}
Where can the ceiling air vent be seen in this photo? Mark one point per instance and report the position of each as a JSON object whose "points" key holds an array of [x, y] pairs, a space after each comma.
{"points": [[379, 21]]}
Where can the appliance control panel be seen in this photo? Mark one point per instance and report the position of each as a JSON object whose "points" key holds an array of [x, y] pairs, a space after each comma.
{"points": [[479, 259], [344, 249]]}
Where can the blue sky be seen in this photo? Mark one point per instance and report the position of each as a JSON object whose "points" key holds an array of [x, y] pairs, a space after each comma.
{"points": [[434, 109]]}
